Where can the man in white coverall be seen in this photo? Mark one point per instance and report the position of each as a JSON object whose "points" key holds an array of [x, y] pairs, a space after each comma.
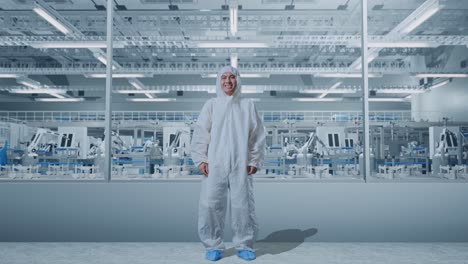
{"points": [[228, 146]]}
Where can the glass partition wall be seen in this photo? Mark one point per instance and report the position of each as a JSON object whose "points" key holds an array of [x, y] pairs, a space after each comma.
{"points": [[301, 63], [424, 72], [47, 53]]}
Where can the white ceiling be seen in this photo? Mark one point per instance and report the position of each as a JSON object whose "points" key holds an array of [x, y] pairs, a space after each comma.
{"points": [[163, 42]]}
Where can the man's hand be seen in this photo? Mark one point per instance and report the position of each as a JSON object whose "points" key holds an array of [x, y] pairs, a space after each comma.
{"points": [[251, 170], [203, 168]]}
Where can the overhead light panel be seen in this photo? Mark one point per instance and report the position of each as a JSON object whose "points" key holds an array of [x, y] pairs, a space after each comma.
{"points": [[387, 100], [404, 91], [233, 19], [29, 83], [346, 75], [151, 99], [402, 45], [137, 84], [118, 75], [333, 87], [255, 75], [35, 85], [51, 19], [38, 91], [316, 99], [251, 90], [321, 91], [243, 75], [8, 75], [59, 99], [140, 91], [232, 44], [440, 84], [441, 75], [75, 45]]}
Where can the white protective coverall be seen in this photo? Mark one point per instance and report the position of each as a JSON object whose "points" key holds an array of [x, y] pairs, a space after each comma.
{"points": [[229, 136]]}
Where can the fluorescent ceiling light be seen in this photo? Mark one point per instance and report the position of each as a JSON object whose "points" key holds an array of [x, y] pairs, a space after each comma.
{"points": [[437, 85], [255, 75], [140, 91], [319, 91], [140, 86], [387, 100], [402, 45], [74, 45], [316, 99], [137, 84], [234, 60], [251, 91], [151, 99], [428, 13], [233, 19], [38, 91], [232, 44], [331, 88], [410, 91], [346, 75], [8, 75], [243, 75], [59, 99], [441, 75], [51, 19], [117, 75], [29, 83], [35, 85]]}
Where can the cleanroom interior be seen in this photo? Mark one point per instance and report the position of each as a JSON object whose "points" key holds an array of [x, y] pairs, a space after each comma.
{"points": [[300, 62]]}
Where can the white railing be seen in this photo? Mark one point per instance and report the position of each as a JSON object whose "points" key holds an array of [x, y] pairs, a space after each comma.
{"points": [[182, 116]]}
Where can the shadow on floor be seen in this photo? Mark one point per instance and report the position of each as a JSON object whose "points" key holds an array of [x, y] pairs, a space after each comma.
{"points": [[278, 242]]}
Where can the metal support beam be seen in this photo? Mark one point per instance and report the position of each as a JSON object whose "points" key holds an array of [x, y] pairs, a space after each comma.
{"points": [[108, 119], [365, 91], [401, 30]]}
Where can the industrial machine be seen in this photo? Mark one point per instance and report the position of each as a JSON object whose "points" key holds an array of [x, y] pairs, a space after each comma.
{"points": [[446, 152], [295, 149]]}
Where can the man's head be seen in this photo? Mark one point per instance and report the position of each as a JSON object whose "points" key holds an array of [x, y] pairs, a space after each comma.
{"points": [[228, 83]]}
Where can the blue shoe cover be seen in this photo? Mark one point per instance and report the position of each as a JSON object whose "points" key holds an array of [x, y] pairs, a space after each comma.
{"points": [[213, 255], [246, 255]]}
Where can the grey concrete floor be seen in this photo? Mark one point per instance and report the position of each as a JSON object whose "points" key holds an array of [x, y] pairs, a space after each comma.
{"points": [[271, 253]]}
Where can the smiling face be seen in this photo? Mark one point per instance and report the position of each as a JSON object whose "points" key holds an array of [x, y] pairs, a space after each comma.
{"points": [[228, 83]]}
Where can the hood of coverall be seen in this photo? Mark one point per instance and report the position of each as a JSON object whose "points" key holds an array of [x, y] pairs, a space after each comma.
{"points": [[219, 90]]}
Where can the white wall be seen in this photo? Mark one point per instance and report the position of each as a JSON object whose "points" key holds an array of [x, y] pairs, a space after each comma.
{"points": [[446, 101], [449, 101], [167, 211]]}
